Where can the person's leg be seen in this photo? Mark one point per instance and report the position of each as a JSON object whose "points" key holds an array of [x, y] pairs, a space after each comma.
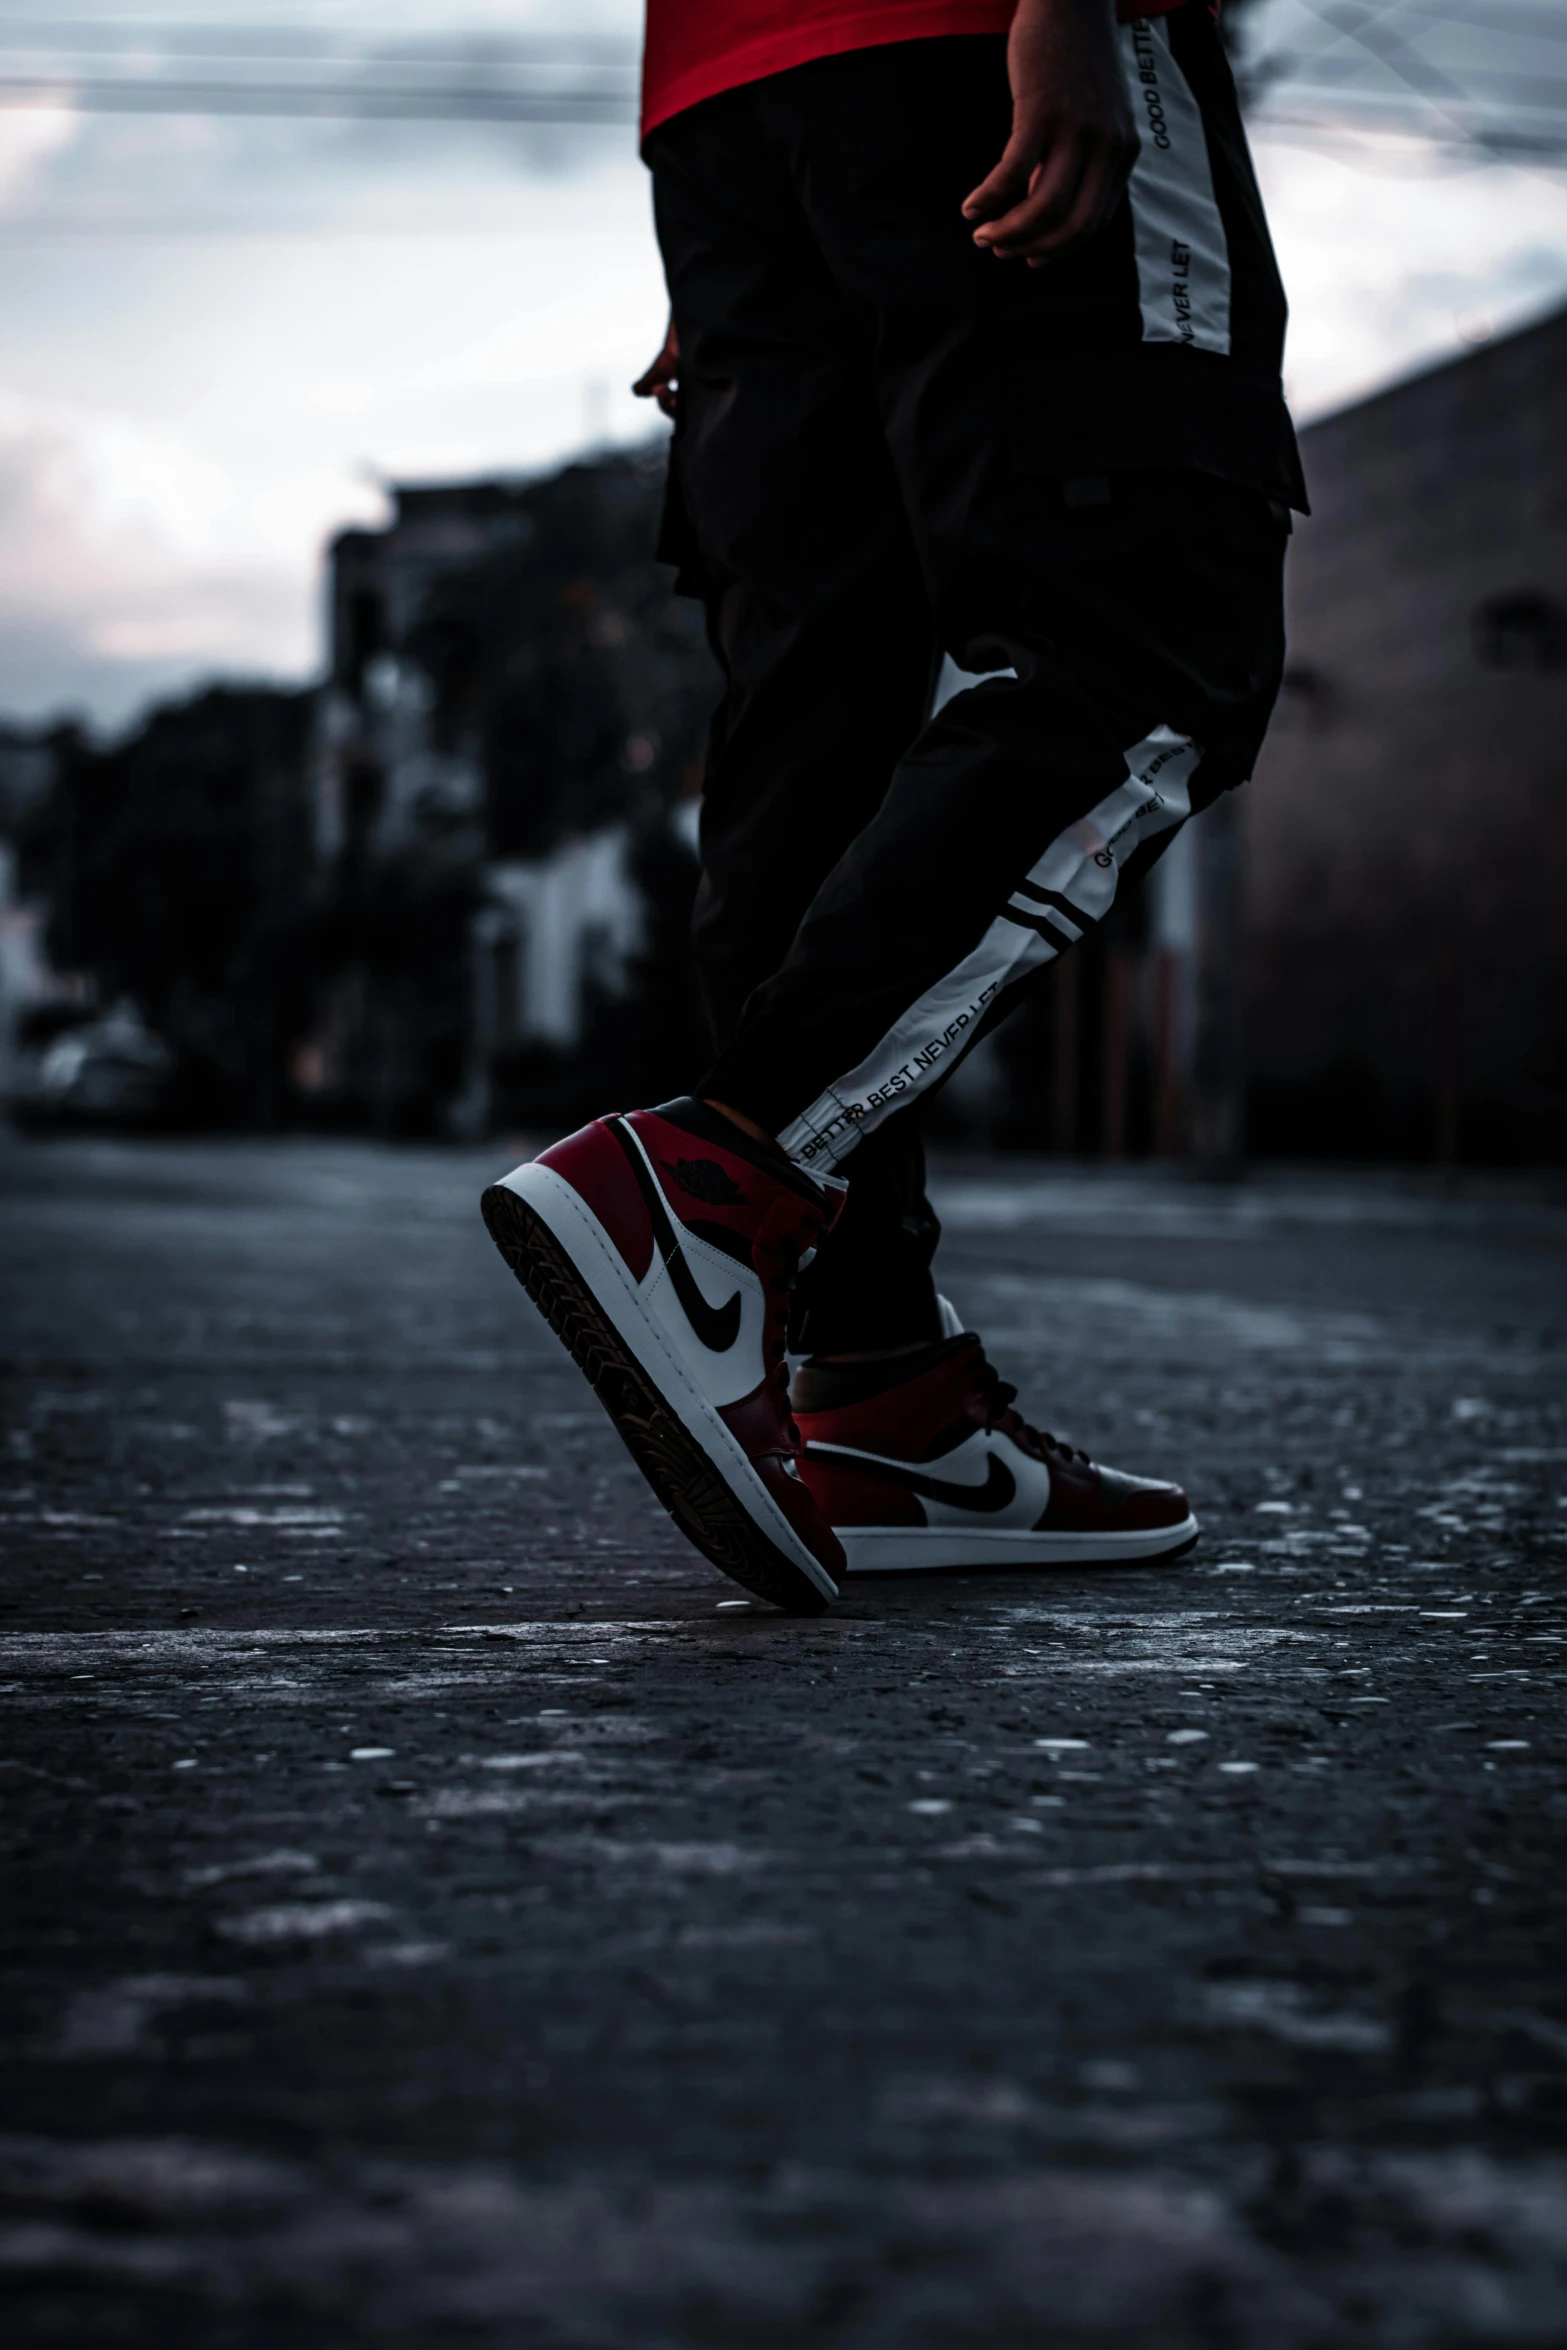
{"points": [[791, 522], [1011, 823], [662, 1245], [1137, 608], [870, 1290]]}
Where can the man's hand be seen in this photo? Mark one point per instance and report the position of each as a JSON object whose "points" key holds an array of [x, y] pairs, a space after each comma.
{"points": [[661, 382], [1073, 140]]}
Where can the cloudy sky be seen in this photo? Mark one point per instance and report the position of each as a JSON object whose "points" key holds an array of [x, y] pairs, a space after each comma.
{"points": [[223, 332]]}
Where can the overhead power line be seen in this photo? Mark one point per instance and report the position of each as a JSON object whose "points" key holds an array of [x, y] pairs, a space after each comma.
{"points": [[301, 70], [1483, 78], [458, 102]]}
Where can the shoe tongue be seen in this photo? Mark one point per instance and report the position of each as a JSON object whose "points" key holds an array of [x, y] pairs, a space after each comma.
{"points": [[831, 1387]]}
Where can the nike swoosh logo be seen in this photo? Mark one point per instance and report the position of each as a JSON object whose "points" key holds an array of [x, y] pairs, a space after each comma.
{"points": [[716, 1326], [998, 1489]]}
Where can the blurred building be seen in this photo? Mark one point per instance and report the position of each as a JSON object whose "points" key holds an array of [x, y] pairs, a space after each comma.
{"points": [[163, 879], [508, 754], [1406, 857], [448, 889]]}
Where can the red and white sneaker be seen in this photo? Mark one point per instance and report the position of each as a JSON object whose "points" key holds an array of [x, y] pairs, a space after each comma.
{"points": [[660, 1247], [938, 1470]]}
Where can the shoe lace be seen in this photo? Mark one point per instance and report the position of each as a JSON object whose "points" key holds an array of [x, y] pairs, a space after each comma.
{"points": [[997, 1394]]}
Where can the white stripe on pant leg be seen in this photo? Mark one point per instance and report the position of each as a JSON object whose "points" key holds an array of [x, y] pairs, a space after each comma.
{"points": [[1082, 865], [1183, 257]]}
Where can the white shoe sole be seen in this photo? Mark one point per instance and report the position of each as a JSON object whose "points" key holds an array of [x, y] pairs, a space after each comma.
{"points": [[576, 1277], [912, 1550]]}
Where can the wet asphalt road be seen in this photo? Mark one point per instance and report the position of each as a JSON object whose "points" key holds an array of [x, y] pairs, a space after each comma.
{"points": [[434, 1916]]}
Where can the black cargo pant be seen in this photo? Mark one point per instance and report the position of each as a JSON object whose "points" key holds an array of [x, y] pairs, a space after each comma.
{"points": [[892, 446]]}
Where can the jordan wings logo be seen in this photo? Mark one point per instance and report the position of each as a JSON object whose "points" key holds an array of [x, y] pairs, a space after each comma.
{"points": [[716, 1326], [704, 1179], [998, 1489]]}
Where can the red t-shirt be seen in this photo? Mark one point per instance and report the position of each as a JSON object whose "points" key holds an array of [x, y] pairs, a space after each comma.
{"points": [[695, 48]]}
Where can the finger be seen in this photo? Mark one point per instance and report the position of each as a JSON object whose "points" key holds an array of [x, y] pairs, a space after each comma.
{"points": [[1006, 185], [1088, 209], [1098, 193], [664, 367], [1061, 212], [1049, 199]]}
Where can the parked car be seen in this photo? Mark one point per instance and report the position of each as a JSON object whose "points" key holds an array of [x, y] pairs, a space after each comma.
{"points": [[99, 1069]]}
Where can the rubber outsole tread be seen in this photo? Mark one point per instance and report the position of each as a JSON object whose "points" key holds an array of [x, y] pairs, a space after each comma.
{"points": [[1091, 1566], [665, 1451]]}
